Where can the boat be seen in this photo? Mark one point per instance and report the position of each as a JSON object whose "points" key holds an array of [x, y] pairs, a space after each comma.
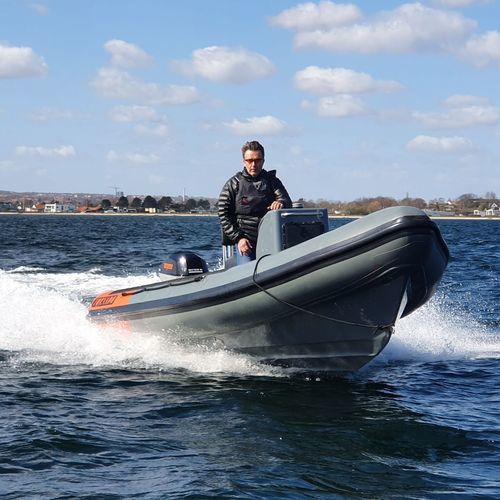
{"points": [[314, 299]]}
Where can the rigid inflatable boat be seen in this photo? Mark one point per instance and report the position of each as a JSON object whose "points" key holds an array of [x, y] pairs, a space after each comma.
{"points": [[313, 298]]}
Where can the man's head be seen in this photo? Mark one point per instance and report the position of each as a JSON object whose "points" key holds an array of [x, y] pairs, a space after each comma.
{"points": [[253, 157]]}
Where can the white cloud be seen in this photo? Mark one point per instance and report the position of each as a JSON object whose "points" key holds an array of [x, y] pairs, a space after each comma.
{"points": [[409, 28], [459, 3], [143, 116], [19, 62], [440, 144], [47, 113], [160, 130], [127, 54], [225, 64], [483, 49], [58, 152], [259, 125], [462, 111], [141, 158], [40, 8], [118, 84], [311, 16], [460, 100], [341, 106], [134, 113], [340, 81]]}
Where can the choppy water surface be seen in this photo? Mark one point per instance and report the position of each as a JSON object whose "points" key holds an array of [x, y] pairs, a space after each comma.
{"points": [[112, 415]]}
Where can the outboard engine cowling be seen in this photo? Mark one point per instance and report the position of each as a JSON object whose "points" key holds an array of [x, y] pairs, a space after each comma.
{"points": [[183, 264]]}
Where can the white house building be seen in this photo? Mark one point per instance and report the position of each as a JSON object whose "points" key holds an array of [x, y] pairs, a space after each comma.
{"points": [[58, 207]]}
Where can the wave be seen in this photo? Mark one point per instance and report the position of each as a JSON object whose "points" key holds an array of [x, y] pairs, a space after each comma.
{"points": [[435, 332], [43, 319]]}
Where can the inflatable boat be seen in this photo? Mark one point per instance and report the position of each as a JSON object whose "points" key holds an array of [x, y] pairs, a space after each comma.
{"points": [[313, 298]]}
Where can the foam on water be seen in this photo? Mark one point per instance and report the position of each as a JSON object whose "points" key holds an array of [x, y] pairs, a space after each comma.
{"points": [[434, 332], [43, 319]]}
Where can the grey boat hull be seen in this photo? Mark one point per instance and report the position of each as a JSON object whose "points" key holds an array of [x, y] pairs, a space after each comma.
{"points": [[329, 303]]}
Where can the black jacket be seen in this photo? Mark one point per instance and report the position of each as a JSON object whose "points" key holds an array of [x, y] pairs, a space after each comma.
{"points": [[243, 202]]}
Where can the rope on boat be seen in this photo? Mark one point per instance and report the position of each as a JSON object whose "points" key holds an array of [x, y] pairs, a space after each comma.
{"points": [[312, 313]]}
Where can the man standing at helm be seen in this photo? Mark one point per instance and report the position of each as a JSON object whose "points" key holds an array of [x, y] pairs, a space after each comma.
{"points": [[245, 199]]}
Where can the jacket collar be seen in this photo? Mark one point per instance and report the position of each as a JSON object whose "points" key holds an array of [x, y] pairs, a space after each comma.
{"points": [[245, 174]]}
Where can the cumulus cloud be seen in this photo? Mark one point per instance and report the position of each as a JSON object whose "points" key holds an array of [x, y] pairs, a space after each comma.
{"points": [[461, 111], [258, 125], [310, 16], [127, 54], [160, 130], [482, 50], [39, 151], [340, 81], [458, 3], [20, 62], [134, 113], [411, 27], [408, 28], [148, 121], [460, 100], [141, 158], [440, 144], [118, 84], [47, 113], [225, 64], [341, 106]]}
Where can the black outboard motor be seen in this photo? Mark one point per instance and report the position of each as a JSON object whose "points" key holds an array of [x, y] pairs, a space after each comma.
{"points": [[183, 264]]}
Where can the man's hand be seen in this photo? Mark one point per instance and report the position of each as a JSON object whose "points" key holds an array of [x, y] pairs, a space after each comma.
{"points": [[275, 205], [244, 246]]}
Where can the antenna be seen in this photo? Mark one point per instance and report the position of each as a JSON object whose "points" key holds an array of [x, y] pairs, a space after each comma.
{"points": [[116, 188]]}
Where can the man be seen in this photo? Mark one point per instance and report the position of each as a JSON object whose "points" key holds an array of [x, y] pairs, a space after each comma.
{"points": [[245, 199]]}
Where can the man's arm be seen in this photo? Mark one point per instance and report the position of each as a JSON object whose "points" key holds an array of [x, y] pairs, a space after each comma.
{"points": [[280, 194], [226, 211]]}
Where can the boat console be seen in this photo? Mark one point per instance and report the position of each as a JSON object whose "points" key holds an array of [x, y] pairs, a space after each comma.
{"points": [[285, 228]]}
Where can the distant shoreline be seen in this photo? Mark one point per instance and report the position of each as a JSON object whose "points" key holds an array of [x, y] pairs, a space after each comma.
{"points": [[74, 214]]}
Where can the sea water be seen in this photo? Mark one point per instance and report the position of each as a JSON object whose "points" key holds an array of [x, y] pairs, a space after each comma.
{"points": [[93, 414]]}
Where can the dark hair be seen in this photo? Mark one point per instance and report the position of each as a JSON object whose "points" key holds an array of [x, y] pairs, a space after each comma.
{"points": [[252, 146]]}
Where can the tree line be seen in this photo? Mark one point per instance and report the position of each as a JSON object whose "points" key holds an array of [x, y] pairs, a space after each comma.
{"points": [[464, 204], [164, 204]]}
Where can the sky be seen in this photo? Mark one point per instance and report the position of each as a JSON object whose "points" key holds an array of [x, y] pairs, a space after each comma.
{"points": [[350, 100]]}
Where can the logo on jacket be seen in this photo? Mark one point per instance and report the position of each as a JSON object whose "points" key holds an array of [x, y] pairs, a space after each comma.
{"points": [[245, 200]]}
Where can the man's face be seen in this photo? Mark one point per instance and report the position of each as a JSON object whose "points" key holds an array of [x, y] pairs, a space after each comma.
{"points": [[253, 162]]}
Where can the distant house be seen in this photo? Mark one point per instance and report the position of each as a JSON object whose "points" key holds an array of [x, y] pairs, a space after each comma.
{"points": [[6, 206], [494, 210], [53, 208], [35, 208]]}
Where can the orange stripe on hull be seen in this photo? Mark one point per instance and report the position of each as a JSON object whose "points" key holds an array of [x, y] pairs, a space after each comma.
{"points": [[109, 300]]}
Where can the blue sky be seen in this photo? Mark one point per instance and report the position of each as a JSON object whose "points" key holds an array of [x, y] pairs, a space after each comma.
{"points": [[157, 97]]}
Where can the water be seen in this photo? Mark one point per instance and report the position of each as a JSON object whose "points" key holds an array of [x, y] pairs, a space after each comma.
{"points": [[87, 413]]}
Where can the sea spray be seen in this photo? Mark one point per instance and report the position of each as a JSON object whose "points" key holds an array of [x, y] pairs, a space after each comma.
{"points": [[436, 332], [44, 322]]}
